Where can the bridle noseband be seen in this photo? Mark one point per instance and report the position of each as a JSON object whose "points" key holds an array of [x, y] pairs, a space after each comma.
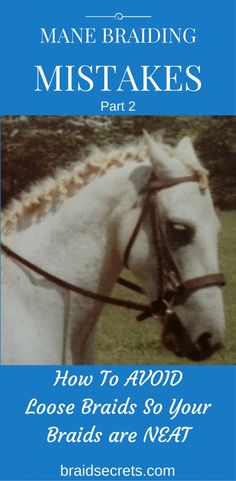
{"points": [[172, 289]]}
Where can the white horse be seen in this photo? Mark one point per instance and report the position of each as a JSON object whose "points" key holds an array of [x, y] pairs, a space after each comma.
{"points": [[77, 227]]}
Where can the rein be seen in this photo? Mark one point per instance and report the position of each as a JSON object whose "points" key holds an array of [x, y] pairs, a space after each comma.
{"points": [[176, 291], [76, 289]]}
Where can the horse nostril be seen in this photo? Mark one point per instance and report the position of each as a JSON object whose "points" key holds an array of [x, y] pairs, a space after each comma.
{"points": [[204, 341]]}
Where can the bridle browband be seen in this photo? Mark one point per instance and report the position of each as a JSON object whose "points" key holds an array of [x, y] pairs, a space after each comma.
{"points": [[172, 289]]}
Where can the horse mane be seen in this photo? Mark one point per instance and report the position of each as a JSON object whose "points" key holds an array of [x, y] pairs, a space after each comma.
{"points": [[43, 195], [39, 199]]}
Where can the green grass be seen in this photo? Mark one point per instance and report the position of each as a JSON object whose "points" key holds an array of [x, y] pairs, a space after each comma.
{"points": [[122, 340]]}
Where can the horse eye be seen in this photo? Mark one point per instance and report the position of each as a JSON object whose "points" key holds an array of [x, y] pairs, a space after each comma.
{"points": [[179, 227], [179, 234]]}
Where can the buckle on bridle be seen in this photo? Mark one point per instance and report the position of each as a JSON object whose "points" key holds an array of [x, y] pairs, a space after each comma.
{"points": [[174, 281], [157, 308], [161, 307]]}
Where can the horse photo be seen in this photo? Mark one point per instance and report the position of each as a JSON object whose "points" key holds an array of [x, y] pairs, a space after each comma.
{"points": [[145, 205]]}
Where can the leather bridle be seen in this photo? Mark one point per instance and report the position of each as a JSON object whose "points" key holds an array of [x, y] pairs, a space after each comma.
{"points": [[172, 289]]}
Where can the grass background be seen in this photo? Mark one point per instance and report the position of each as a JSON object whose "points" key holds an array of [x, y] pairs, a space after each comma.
{"points": [[122, 340]]}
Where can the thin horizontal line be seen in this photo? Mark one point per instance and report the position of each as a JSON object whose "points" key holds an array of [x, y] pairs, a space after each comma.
{"points": [[137, 16], [113, 16], [99, 16]]}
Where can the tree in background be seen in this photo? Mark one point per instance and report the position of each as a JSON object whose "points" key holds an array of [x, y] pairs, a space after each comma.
{"points": [[32, 147]]}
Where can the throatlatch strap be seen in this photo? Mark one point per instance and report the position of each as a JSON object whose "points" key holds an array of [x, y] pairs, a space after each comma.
{"points": [[135, 232]]}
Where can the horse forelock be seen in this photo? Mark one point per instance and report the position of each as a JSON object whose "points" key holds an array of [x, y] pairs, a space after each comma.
{"points": [[42, 196]]}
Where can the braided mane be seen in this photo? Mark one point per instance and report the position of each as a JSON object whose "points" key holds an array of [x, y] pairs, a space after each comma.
{"points": [[41, 197], [44, 195]]}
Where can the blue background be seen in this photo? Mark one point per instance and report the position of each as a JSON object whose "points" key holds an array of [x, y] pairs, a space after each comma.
{"points": [[21, 51], [208, 454]]}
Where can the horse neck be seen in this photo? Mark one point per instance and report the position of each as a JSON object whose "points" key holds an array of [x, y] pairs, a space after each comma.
{"points": [[78, 240]]}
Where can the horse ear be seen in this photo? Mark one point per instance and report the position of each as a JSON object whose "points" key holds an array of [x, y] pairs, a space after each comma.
{"points": [[163, 163], [158, 155], [185, 152]]}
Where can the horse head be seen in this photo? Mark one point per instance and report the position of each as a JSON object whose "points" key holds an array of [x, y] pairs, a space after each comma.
{"points": [[194, 326]]}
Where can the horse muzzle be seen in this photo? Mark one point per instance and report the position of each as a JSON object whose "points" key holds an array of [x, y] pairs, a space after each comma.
{"points": [[176, 339]]}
